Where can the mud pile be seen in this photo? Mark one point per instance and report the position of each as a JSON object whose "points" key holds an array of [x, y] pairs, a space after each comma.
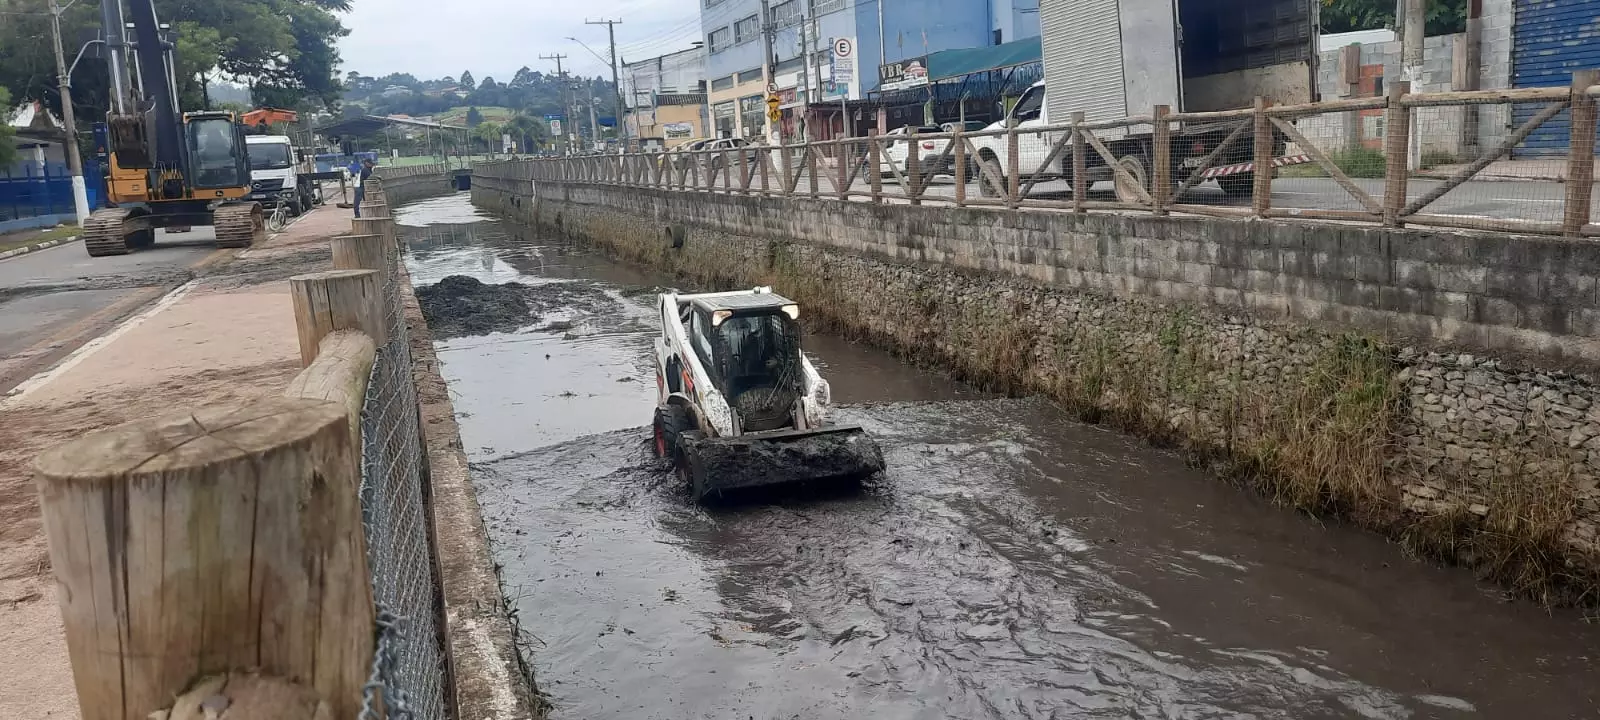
{"points": [[459, 305]]}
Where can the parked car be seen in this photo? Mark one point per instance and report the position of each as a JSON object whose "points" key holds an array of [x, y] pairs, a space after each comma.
{"points": [[897, 151], [946, 161]]}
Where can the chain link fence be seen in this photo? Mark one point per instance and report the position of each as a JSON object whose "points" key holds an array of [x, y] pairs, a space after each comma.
{"points": [[408, 674]]}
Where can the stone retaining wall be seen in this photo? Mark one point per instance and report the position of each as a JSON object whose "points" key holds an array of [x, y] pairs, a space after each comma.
{"points": [[1433, 385]]}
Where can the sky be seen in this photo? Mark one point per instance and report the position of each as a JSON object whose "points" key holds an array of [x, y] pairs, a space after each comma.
{"points": [[493, 38]]}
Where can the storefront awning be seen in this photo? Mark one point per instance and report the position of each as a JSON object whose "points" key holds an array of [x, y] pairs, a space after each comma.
{"points": [[947, 64]]}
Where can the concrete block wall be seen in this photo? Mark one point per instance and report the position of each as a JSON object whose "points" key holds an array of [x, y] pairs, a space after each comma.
{"points": [[1218, 335]]}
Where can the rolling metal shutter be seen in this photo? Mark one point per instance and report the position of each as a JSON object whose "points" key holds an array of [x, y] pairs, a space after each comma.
{"points": [[1083, 58], [1551, 39]]}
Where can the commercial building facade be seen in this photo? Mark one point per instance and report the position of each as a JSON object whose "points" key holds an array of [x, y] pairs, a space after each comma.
{"points": [[828, 52], [665, 98]]}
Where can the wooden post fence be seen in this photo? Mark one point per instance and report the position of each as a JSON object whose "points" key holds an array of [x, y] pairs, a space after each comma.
{"points": [[1261, 159], [337, 300], [1580, 157], [1396, 136], [1161, 174], [206, 542]]}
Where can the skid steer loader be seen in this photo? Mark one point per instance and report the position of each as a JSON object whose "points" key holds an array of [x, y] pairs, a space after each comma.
{"points": [[739, 405]]}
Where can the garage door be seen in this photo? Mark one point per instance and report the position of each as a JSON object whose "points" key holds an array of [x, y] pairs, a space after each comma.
{"points": [[1551, 39]]}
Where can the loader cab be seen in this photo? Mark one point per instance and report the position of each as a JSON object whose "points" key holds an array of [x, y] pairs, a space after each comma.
{"points": [[749, 346]]}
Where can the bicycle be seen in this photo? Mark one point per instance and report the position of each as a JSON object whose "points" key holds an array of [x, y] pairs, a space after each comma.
{"points": [[278, 217]]}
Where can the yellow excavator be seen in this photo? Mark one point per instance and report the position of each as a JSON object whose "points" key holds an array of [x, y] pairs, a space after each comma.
{"points": [[166, 168]]}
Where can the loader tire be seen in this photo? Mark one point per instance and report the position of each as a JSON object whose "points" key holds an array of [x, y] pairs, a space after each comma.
{"points": [[672, 421]]}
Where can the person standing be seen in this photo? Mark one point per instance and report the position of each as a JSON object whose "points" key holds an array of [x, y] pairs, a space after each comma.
{"points": [[361, 184]]}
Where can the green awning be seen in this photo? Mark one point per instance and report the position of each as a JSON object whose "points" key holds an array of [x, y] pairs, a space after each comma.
{"points": [[947, 64]]}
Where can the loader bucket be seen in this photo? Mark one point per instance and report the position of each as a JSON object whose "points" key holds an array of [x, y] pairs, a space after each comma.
{"points": [[718, 465]]}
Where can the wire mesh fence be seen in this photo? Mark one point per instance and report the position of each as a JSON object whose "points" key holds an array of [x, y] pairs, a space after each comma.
{"points": [[1483, 159], [408, 671]]}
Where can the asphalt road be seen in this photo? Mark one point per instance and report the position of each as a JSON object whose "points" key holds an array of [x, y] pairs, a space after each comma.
{"points": [[52, 301]]}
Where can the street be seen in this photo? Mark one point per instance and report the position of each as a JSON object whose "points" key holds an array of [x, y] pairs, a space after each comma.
{"points": [[52, 301]]}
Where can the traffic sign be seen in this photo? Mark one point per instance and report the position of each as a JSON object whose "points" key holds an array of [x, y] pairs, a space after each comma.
{"points": [[773, 102], [843, 47], [774, 114]]}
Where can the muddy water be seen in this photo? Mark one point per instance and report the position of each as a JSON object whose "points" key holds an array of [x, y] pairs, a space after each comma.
{"points": [[1012, 563]]}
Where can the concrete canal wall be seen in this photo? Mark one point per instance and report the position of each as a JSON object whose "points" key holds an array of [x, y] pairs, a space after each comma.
{"points": [[1431, 385], [417, 182]]}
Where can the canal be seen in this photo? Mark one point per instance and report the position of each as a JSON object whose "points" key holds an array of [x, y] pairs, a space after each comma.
{"points": [[1011, 563]]}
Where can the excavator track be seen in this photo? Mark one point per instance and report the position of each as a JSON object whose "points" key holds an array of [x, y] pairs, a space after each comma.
{"points": [[239, 225], [105, 234]]}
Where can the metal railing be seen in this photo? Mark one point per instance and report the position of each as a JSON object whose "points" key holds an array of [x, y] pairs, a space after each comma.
{"points": [[1449, 159]]}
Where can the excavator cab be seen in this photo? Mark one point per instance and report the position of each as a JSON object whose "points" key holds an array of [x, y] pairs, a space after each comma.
{"points": [[218, 158]]}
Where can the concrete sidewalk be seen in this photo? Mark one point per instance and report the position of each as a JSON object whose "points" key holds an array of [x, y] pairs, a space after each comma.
{"points": [[226, 337]]}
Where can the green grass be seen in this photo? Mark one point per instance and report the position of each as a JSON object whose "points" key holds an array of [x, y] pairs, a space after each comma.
{"points": [[458, 115], [1356, 162], [29, 238]]}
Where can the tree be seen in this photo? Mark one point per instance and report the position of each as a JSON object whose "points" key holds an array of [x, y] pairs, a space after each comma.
{"points": [[489, 133], [467, 83], [8, 151], [531, 132], [488, 83], [1444, 16], [474, 118]]}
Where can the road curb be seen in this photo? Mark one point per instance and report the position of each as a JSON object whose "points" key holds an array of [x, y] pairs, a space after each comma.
{"points": [[46, 245]]}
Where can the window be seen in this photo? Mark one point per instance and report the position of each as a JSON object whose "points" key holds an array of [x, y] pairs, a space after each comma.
{"points": [[269, 156], [719, 39], [751, 75], [723, 114], [722, 83], [753, 115], [213, 152], [746, 30], [786, 14]]}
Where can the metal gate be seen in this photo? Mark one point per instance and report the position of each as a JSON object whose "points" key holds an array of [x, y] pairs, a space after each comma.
{"points": [[1551, 39]]}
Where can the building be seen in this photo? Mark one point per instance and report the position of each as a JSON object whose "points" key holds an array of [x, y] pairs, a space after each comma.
{"points": [[833, 51], [665, 98]]}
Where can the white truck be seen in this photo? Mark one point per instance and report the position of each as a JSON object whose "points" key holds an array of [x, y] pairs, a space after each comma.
{"points": [[1112, 59], [275, 176]]}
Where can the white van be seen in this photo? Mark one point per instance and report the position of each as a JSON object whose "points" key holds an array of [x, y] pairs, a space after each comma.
{"points": [[274, 177]]}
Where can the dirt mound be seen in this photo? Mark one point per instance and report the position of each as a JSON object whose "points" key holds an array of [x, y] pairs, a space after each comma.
{"points": [[459, 305]]}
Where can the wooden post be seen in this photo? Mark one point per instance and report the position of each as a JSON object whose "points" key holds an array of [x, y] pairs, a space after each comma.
{"points": [[1396, 139], [785, 168], [875, 165], [761, 166], [209, 541], [1161, 174], [1013, 166], [1080, 164], [375, 226], [337, 300], [744, 171], [1261, 192], [727, 171], [812, 181], [959, 144], [1580, 157], [361, 252], [913, 167], [844, 170]]}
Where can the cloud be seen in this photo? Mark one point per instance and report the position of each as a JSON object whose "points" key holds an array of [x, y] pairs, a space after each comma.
{"points": [[492, 38]]}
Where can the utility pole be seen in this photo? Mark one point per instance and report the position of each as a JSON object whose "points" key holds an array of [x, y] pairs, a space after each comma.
{"points": [[805, 74], [80, 192], [566, 102], [769, 60], [611, 31], [1411, 45]]}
